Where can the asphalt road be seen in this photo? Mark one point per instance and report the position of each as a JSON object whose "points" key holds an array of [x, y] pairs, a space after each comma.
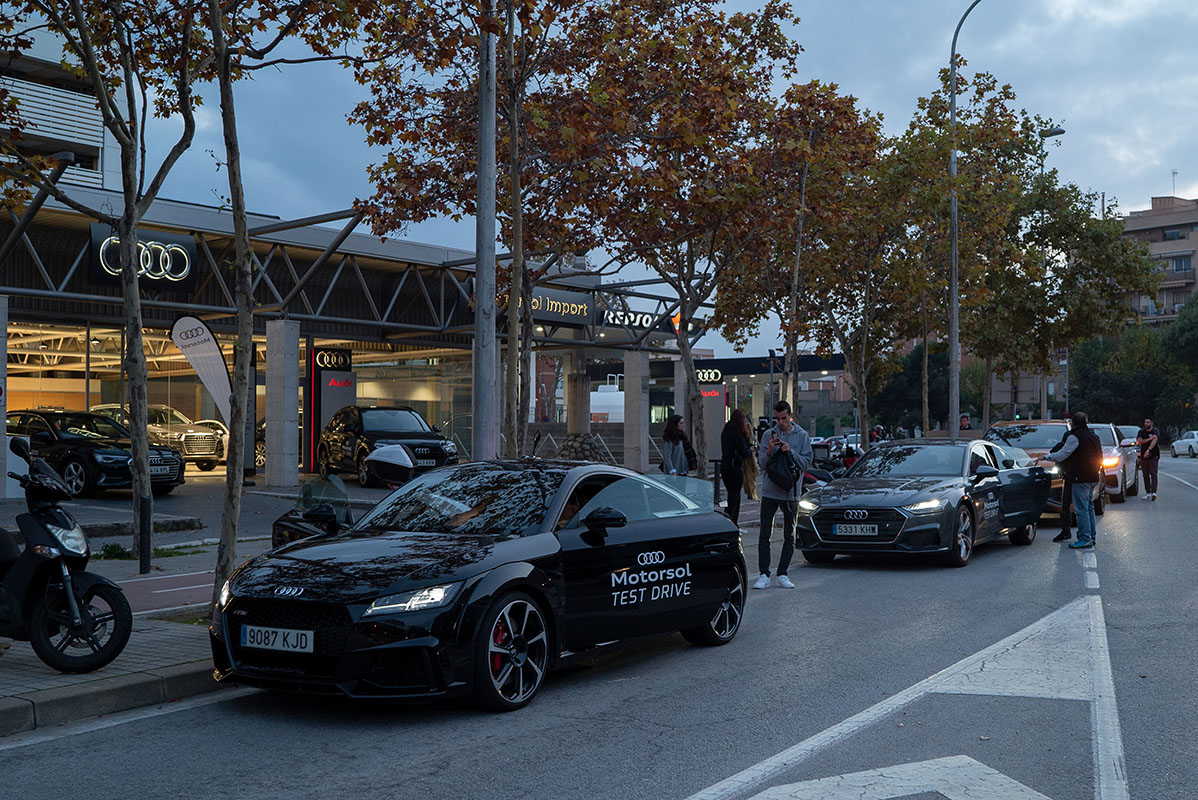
{"points": [[1034, 672]]}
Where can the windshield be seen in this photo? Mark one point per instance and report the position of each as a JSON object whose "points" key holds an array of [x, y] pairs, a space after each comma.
{"points": [[1105, 435], [87, 426], [163, 415], [393, 420], [1028, 437], [912, 460], [474, 499], [1128, 431]]}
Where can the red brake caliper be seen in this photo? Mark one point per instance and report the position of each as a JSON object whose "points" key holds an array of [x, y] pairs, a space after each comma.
{"points": [[496, 659]]}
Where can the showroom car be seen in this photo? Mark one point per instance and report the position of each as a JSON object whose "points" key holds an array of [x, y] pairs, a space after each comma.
{"points": [[354, 431], [942, 496], [1037, 438], [1186, 444], [92, 451], [199, 445], [477, 579]]}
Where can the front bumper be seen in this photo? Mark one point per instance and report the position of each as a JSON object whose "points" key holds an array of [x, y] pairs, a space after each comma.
{"points": [[898, 531], [119, 476], [403, 656]]}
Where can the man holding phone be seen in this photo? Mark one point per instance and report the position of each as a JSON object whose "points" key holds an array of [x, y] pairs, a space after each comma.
{"points": [[792, 441], [1149, 440]]}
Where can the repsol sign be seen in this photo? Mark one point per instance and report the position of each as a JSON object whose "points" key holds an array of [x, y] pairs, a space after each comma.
{"points": [[163, 260]]}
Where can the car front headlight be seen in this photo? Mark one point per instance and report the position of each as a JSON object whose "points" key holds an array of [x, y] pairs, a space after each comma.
{"points": [[226, 594], [924, 507], [113, 457], [418, 600], [73, 540], [1110, 461], [450, 448], [175, 436], [808, 507]]}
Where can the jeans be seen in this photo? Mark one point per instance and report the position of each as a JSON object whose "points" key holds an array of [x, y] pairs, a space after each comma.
{"points": [[1148, 467], [734, 483], [769, 507], [1083, 509]]}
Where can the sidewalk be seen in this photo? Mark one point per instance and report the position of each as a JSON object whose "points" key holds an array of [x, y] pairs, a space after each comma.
{"points": [[98, 520]]}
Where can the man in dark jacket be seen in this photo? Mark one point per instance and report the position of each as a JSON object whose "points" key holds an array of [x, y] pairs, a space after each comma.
{"points": [[1080, 457]]}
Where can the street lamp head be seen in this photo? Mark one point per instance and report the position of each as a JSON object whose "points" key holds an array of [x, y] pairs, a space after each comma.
{"points": [[1055, 130]]}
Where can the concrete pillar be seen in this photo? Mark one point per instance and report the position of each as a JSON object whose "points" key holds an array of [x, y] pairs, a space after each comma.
{"points": [[282, 402], [680, 401], [758, 409], [578, 394], [636, 411]]}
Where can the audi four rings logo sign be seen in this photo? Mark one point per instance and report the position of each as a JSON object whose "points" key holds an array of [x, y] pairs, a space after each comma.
{"points": [[856, 513], [289, 591], [155, 260], [648, 559], [709, 376], [192, 333], [333, 359]]}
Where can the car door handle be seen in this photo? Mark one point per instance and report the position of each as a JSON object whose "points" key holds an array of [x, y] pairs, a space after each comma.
{"points": [[718, 546]]}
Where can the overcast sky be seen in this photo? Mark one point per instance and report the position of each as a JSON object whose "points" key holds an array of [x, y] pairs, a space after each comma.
{"points": [[1118, 75]]}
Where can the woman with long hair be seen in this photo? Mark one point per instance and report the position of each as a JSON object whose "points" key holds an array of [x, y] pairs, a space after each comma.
{"points": [[734, 448], [674, 455]]}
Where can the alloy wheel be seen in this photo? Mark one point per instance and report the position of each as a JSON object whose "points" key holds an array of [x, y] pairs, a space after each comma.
{"points": [[727, 617], [964, 534], [75, 477], [517, 651]]}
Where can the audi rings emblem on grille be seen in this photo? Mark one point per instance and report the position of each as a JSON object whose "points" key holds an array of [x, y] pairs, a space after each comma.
{"points": [[647, 559], [328, 360], [154, 260], [856, 513], [289, 591]]}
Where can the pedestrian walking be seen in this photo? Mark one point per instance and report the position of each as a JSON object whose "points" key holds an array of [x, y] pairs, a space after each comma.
{"points": [[676, 444], [1149, 440], [734, 449], [1081, 458], [784, 450]]}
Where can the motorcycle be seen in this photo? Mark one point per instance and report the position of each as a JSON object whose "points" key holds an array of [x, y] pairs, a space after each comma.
{"points": [[75, 620]]}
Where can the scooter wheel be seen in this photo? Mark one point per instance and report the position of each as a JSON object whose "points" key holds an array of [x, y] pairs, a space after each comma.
{"points": [[67, 647]]}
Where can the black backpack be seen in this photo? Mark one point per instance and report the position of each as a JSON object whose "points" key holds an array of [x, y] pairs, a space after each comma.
{"points": [[782, 470]]}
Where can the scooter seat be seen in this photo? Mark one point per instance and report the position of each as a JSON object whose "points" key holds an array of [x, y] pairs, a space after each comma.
{"points": [[9, 550]]}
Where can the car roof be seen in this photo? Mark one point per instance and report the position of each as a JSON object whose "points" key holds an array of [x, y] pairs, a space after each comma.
{"points": [[938, 442]]}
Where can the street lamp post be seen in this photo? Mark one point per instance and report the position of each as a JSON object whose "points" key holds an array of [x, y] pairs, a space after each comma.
{"points": [[954, 300], [1046, 133]]}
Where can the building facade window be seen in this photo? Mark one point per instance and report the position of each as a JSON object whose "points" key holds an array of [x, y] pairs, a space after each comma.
{"points": [[1173, 234], [1183, 264]]}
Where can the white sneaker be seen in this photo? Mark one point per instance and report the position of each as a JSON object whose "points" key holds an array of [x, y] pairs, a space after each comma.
{"points": [[1146, 496], [784, 582], [763, 582], [1154, 496]]}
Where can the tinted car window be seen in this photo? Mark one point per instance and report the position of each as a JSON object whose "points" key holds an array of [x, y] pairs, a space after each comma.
{"points": [[978, 457], [166, 416], [1105, 435], [1012, 456], [1035, 437], [474, 499], [36, 425], [909, 461], [87, 426], [393, 420], [13, 424]]}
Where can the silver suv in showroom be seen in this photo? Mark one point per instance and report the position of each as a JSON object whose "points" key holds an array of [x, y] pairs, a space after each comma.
{"points": [[199, 445]]}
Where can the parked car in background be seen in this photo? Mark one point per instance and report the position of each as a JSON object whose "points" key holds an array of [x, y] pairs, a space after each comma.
{"points": [[1037, 437], [1118, 462], [222, 429], [260, 441], [92, 451], [1187, 443], [354, 431], [200, 445]]}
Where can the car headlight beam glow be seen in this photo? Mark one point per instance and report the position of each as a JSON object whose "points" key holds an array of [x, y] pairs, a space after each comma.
{"points": [[808, 507], [226, 594], [418, 600], [1111, 462], [925, 506]]}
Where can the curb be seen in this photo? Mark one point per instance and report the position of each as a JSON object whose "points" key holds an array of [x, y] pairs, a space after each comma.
{"points": [[99, 530], [26, 712]]}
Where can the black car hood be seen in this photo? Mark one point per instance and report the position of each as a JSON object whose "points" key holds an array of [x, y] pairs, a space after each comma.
{"points": [[415, 437], [359, 566], [118, 444], [881, 491]]}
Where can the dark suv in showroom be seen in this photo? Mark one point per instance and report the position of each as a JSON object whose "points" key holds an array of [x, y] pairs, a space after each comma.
{"points": [[355, 431], [92, 451]]}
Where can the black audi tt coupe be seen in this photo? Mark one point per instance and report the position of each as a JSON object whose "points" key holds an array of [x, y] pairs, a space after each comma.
{"points": [[925, 496], [477, 578]]}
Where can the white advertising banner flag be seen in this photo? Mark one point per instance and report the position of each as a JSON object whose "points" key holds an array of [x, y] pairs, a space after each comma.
{"points": [[194, 339]]}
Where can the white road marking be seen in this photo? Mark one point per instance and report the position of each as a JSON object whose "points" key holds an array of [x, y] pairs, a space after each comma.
{"points": [[1091, 580], [18, 740], [1089, 559], [1179, 480], [183, 588], [187, 607], [954, 778], [1110, 773], [163, 577], [1050, 684]]}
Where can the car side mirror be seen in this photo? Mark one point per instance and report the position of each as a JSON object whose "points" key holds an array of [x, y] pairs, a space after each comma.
{"points": [[436, 429], [605, 517], [983, 472], [323, 515], [20, 448], [1128, 443]]}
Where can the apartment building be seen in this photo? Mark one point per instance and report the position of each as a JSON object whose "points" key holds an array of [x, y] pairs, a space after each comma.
{"points": [[1170, 229]]}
